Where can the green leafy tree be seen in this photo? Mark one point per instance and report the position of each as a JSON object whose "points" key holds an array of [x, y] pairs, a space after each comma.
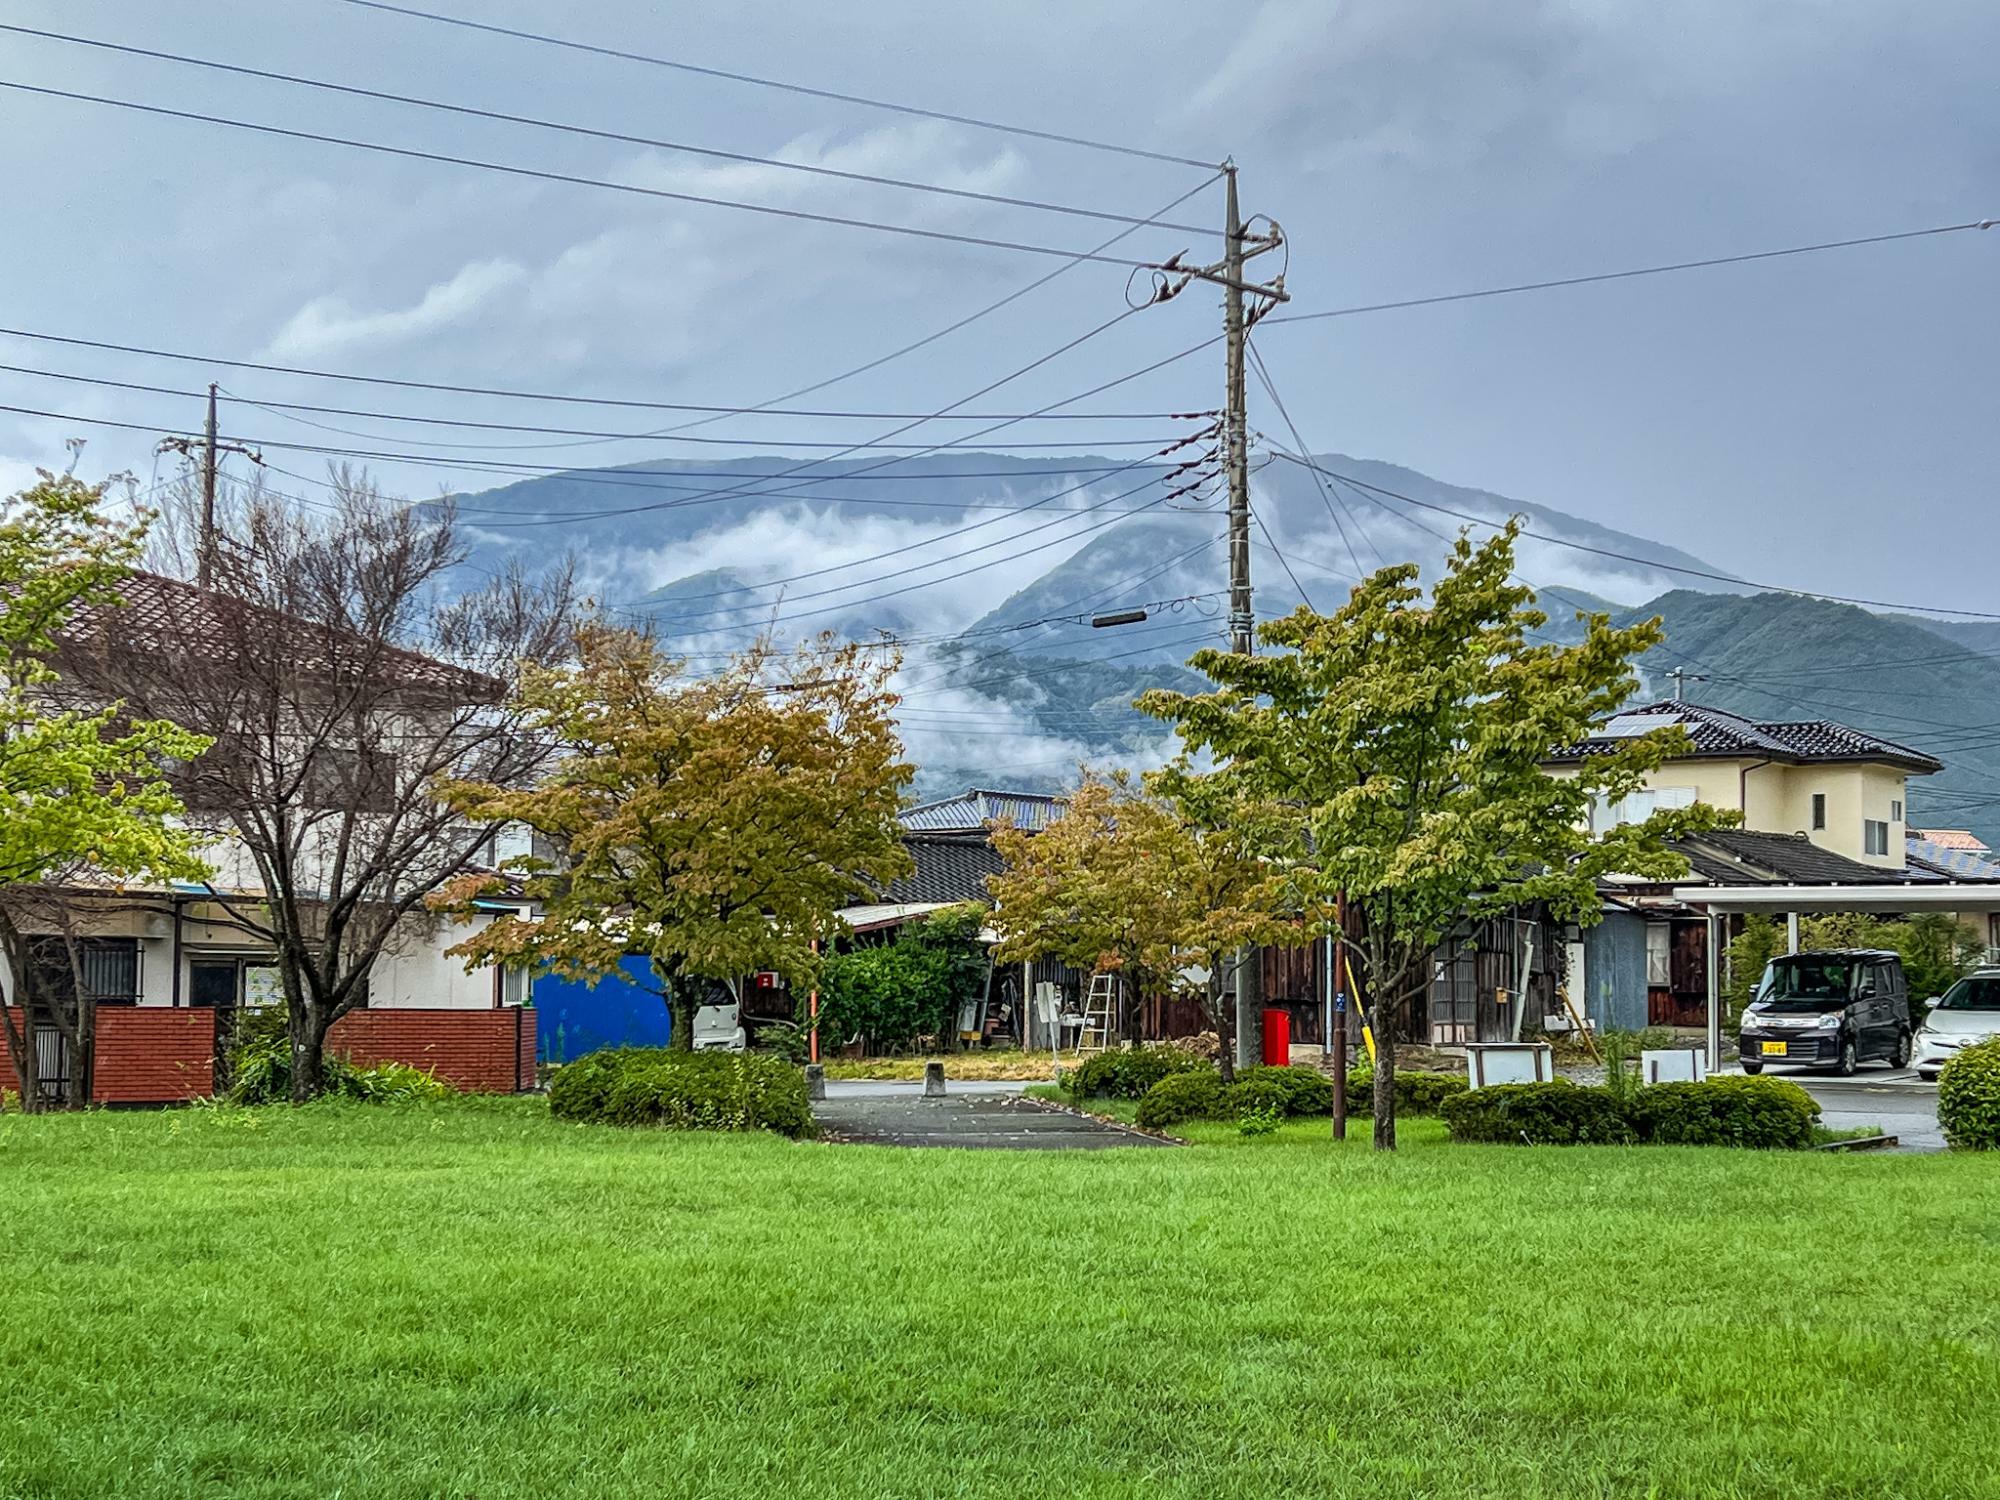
{"points": [[85, 802], [716, 824], [1412, 731], [888, 994], [1761, 940]]}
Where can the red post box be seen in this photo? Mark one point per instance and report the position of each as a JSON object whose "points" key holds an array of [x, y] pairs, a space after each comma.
{"points": [[1277, 1038]]}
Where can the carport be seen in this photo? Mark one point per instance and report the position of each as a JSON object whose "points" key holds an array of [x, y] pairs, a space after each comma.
{"points": [[1790, 901]]}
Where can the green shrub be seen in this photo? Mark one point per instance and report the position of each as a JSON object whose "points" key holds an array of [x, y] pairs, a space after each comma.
{"points": [[682, 1091], [1762, 1113], [1179, 1097], [888, 994], [1260, 1121], [1129, 1073], [1537, 1114], [1306, 1091], [1250, 1095], [1969, 1098], [1416, 1093], [258, 1069]]}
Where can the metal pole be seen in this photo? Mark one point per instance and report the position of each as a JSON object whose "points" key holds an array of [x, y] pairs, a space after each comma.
{"points": [[1714, 998], [205, 556], [1340, 1023]]}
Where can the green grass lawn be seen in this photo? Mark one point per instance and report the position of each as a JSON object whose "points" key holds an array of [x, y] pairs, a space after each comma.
{"points": [[475, 1301]]}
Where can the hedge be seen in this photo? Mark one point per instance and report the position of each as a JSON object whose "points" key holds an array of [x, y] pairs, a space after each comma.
{"points": [[1129, 1073], [1416, 1093], [1763, 1113], [1296, 1091], [1969, 1098], [1179, 1097], [1538, 1114], [682, 1091]]}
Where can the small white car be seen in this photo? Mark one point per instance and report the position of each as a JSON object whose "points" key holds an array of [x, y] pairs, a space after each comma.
{"points": [[718, 1028], [1968, 1012]]}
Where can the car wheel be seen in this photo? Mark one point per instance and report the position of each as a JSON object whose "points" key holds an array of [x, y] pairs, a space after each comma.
{"points": [[1753, 1068], [1900, 1058], [1850, 1058]]}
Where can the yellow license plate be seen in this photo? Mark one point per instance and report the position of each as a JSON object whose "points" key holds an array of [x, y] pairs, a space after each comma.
{"points": [[1774, 1049]]}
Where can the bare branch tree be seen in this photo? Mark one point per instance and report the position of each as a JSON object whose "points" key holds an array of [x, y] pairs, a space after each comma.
{"points": [[344, 675]]}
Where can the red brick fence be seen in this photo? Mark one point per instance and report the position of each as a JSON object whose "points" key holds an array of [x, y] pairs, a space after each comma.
{"points": [[160, 1055]]}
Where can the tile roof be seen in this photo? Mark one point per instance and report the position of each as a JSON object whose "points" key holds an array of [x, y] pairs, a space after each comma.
{"points": [[950, 867], [1737, 856], [1951, 838], [1951, 862], [1718, 733], [168, 614], [973, 810]]}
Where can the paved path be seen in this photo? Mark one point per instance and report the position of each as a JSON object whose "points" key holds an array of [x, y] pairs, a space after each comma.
{"points": [[991, 1117], [1893, 1098]]}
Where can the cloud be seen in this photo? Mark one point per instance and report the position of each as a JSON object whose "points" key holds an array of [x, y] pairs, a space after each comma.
{"points": [[330, 325]]}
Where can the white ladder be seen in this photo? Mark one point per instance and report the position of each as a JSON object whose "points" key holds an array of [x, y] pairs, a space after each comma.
{"points": [[1100, 1016]]}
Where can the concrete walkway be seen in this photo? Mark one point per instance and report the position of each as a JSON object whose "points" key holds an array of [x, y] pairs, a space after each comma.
{"points": [[991, 1117]]}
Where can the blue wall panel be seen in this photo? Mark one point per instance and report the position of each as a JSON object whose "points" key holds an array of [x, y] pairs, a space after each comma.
{"points": [[1614, 966], [574, 1018]]}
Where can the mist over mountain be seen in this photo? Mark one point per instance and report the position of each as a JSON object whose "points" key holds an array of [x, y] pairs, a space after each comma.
{"points": [[985, 570]]}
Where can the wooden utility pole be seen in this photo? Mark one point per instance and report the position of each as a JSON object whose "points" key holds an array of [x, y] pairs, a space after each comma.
{"points": [[1239, 246], [208, 457]]}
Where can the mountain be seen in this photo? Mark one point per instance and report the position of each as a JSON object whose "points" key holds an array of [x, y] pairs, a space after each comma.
{"points": [[990, 567]]}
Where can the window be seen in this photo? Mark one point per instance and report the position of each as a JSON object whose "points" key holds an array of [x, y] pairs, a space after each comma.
{"points": [[1638, 806], [514, 984], [1659, 955], [1819, 811], [1874, 836], [109, 968], [1895, 810]]}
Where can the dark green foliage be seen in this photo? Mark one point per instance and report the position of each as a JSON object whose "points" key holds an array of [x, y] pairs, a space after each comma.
{"points": [[1761, 940], [1538, 1114], [1305, 1091], [1417, 1093], [1250, 1096], [1969, 1098], [682, 1091], [1129, 1073], [892, 993], [1179, 1097], [258, 1069], [1762, 1113]]}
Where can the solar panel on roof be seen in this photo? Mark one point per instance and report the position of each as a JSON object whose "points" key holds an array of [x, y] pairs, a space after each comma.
{"points": [[1631, 726]]}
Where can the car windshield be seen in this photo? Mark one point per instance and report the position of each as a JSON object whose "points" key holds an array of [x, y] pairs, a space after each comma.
{"points": [[1805, 983], [1980, 992]]}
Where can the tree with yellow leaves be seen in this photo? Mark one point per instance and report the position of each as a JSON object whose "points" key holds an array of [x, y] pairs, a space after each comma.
{"points": [[715, 824], [1149, 880]]}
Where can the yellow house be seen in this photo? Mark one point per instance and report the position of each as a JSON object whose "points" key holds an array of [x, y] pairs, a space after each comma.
{"points": [[1840, 787]]}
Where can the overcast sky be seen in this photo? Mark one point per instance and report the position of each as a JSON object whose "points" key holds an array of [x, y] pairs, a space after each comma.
{"points": [[1825, 421]]}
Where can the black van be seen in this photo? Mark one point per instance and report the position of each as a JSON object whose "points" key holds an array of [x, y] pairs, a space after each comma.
{"points": [[1838, 1006]]}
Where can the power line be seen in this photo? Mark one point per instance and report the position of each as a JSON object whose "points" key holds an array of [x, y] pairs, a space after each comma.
{"points": [[1271, 390], [283, 408], [541, 174], [1626, 275], [1665, 567], [566, 128], [772, 83]]}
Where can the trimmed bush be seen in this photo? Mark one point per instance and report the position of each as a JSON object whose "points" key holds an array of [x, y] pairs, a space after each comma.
{"points": [[1129, 1073], [1537, 1114], [1761, 1113], [1969, 1098], [258, 1069], [682, 1091], [1249, 1096], [1416, 1093], [1179, 1097], [1306, 1091]]}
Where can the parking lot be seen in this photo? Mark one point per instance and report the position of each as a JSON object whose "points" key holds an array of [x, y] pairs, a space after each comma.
{"points": [[1896, 1099]]}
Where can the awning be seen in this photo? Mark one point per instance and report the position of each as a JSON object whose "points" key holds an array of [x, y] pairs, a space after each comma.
{"points": [[1888, 896]]}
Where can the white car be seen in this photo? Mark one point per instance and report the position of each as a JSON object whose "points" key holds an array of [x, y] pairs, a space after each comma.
{"points": [[1968, 1012]]}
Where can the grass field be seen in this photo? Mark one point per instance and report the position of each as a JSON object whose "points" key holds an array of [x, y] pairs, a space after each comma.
{"points": [[474, 1301]]}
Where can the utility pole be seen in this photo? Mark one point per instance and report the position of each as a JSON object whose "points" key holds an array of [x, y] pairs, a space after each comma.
{"points": [[1239, 246], [209, 457], [1682, 677]]}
